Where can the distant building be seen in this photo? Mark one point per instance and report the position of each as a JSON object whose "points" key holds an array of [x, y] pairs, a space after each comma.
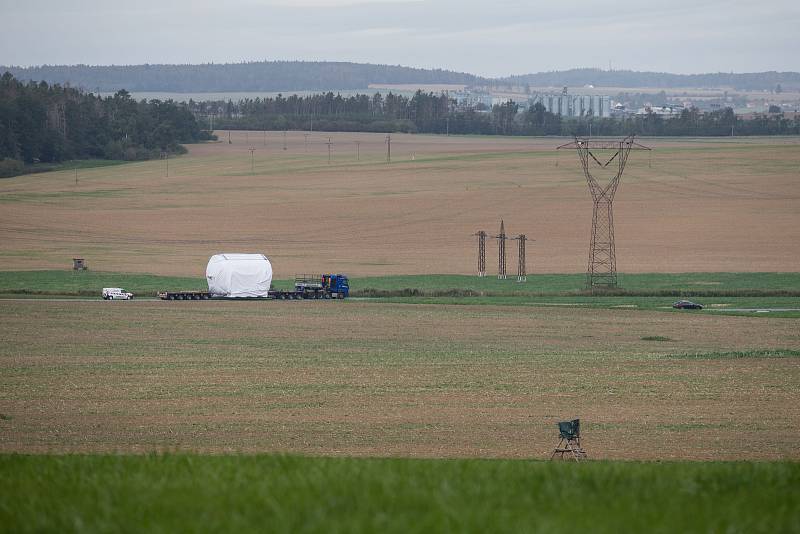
{"points": [[473, 100], [568, 105], [661, 111]]}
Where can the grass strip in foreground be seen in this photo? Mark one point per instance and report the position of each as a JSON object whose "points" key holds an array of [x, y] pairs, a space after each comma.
{"points": [[190, 493], [89, 283]]}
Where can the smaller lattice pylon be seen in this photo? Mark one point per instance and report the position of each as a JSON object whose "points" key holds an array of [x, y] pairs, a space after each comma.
{"points": [[501, 251], [481, 253], [522, 275]]}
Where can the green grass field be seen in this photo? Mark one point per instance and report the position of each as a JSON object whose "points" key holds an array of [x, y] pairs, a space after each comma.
{"points": [[647, 284], [188, 493], [640, 291], [89, 283]]}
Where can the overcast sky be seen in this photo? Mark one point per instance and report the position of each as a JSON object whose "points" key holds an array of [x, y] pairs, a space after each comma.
{"points": [[491, 38]]}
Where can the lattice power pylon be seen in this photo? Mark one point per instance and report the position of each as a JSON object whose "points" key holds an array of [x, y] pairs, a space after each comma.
{"points": [[481, 253], [501, 251], [602, 269], [522, 275]]}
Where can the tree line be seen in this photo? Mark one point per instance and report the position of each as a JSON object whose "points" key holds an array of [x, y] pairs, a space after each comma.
{"points": [[439, 113], [52, 123]]}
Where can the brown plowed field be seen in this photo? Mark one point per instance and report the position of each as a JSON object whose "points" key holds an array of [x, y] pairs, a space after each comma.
{"points": [[356, 378], [691, 205]]}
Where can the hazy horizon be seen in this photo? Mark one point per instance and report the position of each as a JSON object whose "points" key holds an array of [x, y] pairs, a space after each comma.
{"points": [[510, 37]]}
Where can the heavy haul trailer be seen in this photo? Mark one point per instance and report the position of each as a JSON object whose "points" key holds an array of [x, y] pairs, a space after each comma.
{"points": [[317, 286]]}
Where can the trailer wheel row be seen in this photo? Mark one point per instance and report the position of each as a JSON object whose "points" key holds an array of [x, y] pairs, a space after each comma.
{"points": [[277, 295], [187, 296]]}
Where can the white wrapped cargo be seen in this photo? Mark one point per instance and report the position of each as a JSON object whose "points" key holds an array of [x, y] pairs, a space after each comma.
{"points": [[239, 275]]}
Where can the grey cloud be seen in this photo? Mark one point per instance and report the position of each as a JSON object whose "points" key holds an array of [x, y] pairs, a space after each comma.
{"points": [[497, 38]]}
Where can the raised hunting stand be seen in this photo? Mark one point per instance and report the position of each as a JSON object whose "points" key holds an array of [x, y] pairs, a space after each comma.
{"points": [[569, 433]]}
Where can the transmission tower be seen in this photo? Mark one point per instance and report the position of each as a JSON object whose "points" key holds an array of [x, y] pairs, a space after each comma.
{"points": [[501, 252], [522, 275], [602, 269], [481, 253]]}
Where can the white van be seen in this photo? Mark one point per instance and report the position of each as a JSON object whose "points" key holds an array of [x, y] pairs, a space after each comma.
{"points": [[116, 293]]}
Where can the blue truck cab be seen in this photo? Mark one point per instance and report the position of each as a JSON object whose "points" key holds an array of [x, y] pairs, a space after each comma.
{"points": [[321, 286], [337, 284]]}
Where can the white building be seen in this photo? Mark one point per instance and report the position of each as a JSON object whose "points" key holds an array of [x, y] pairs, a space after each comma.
{"points": [[473, 99], [568, 105]]}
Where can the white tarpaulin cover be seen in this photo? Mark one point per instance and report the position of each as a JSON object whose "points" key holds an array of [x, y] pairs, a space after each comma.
{"points": [[239, 275]]}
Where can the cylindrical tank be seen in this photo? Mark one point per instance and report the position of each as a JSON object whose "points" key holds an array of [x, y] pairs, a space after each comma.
{"points": [[237, 275]]}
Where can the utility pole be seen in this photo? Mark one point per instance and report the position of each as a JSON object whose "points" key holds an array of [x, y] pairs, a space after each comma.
{"points": [[388, 149]]}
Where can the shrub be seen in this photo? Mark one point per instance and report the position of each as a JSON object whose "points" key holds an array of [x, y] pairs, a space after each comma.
{"points": [[11, 167]]}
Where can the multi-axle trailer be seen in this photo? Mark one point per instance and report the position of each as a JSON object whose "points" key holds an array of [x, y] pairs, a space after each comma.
{"points": [[315, 286]]}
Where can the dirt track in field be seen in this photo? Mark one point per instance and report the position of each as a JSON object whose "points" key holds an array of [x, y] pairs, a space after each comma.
{"points": [[697, 205], [369, 379]]}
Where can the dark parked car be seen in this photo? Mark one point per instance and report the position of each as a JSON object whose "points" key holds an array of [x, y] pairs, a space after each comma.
{"points": [[687, 305]]}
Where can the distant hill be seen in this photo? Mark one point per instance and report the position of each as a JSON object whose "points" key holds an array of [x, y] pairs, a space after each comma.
{"points": [[233, 77], [753, 81], [273, 76]]}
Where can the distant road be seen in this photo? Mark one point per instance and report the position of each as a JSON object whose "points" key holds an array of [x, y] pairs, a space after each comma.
{"points": [[756, 310]]}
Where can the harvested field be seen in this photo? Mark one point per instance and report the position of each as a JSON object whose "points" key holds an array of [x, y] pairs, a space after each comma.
{"points": [[699, 205], [367, 379]]}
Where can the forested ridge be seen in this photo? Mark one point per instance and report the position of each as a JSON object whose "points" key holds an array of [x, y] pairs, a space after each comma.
{"points": [[249, 76], [51, 123], [274, 76]]}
